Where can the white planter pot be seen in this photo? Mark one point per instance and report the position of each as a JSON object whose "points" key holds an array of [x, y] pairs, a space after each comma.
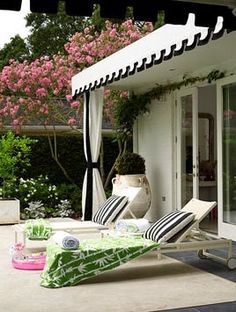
{"points": [[142, 202], [9, 211]]}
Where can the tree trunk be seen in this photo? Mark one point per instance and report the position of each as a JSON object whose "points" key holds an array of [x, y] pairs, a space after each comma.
{"points": [[122, 148], [54, 154]]}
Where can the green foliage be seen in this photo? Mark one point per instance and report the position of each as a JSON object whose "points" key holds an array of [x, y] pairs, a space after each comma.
{"points": [[32, 190], [37, 210], [73, 194], [70, 153], [99, 22], [214, 75], [40, 198], [16, 49], [130, 163], [160, 19], [14, 156], [49, 32], [96, 19], [127, 109]]}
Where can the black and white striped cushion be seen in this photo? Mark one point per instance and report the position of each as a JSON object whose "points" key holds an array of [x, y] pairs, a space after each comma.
{"points": [[168, 226], [110, 209]]}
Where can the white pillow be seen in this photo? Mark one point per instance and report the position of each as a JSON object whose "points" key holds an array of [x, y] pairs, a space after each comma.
{"points": [[168, 226], [110, 209]]}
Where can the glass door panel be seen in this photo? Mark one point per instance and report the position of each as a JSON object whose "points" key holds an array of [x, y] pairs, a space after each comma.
{"points": [[226, 138], [187, 147], [229, 153]]}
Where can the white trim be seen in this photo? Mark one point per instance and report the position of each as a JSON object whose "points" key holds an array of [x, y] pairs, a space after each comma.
{"points": [[184, 92], [163, 44], [225, 229], [174, 149], [195, 142], [178, 152]]}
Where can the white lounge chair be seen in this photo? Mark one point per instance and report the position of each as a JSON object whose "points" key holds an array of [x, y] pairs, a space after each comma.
{"points": [[102, 254], [193, 238], [106, 219]]}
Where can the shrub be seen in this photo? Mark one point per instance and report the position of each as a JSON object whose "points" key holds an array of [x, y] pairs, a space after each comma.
{"points": [[39, 198], [130, 163], [14, 157]]}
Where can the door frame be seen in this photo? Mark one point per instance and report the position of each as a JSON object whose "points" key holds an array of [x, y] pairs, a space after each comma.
{"points": [[181, 93], [226, 230]]}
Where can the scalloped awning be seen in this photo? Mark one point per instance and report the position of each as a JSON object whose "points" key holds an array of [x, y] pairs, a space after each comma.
{"points": [[154, 58], [176, 11]]}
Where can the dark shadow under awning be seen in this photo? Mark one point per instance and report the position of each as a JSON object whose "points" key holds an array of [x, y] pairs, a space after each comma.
{"points": [[176, 12]]}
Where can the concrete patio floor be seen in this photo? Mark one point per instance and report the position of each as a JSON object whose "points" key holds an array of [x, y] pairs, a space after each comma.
{"points": [[145, 284]]}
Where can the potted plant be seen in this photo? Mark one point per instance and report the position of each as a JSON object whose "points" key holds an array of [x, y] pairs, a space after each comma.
{"points": [[130, 163], [130, 168], [14, 157]]}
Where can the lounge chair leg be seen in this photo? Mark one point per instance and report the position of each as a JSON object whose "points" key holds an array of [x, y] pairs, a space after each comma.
{"points": [[159, 256], [231, 263]]}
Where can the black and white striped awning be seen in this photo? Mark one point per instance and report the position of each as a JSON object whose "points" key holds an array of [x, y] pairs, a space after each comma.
{"points": [[163, 45], [176, 11]]}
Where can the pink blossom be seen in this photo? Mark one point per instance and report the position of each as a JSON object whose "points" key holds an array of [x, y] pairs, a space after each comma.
{"points": [[28, 89], [41, 92], [112, 33], [86, 30], [69, 97], [15, 123], [20, 83], [72, 121], [75, 104], [46, 81], [89, 59]]}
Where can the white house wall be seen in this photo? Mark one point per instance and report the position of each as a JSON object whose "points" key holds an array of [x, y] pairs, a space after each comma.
{"points": [[153, 140]]}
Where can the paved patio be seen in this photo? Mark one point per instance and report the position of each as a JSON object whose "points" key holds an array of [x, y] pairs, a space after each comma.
{"points": [[145, 284]]}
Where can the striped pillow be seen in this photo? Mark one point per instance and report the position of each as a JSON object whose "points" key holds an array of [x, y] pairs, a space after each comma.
{"points": [[110, 209], [168, 226]]}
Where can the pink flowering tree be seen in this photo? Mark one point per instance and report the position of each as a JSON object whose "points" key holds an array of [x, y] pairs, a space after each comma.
{"points": [[35, 92], [97, 47], [39, 92], [88, 47], [31, 90]]}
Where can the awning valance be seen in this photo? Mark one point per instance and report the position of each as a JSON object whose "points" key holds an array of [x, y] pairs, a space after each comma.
{"points": [[156, 48], [176, 12]]}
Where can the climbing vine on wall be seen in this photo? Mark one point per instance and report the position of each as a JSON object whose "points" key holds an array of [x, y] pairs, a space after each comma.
{"points": [[127, 109]]}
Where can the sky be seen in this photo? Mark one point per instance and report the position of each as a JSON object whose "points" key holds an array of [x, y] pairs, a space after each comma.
{"points": [[13, 23]]}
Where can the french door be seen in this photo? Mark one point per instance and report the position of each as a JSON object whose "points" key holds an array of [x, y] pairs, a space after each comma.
{"points": [[187, 146], [226, 108]]}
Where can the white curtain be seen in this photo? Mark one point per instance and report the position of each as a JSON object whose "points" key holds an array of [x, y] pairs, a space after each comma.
{"points": [[93, 194]]}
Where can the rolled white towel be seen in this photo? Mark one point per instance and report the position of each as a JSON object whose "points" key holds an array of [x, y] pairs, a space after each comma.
{"points": [[132, 225], [65, 240]]}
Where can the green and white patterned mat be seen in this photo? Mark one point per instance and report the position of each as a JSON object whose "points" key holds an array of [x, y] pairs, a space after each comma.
{"points": [[94, 256]]}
